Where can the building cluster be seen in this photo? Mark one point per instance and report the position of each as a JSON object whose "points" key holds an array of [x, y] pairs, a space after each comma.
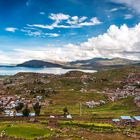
{"points": [[137, 101], [130, 87], [8, 104], [127, 120], [91, 104]]}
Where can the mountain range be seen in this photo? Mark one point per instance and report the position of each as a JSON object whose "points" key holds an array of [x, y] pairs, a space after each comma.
{"points": [[95, 63]]}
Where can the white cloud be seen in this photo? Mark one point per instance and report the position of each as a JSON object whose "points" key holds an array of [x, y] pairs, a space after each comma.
{"points": [[128, 16], [59, 17], [82, 19], [114, 9], [117, 9], [68, 22], [10, 29], [38, 33], [93, 21], [121, 42], [11, 58], [32, 32], [117, 42], [76, 20], [134, 4], [52, 34]]}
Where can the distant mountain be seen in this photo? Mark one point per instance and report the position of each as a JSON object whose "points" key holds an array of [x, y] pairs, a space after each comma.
{"points": [[95, 63], [104, 63], [38, 63]]}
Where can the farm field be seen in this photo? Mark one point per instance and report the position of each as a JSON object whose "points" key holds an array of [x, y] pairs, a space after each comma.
{"points": [[65, 130]]}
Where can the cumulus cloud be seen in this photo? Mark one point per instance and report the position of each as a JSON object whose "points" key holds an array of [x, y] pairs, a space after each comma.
{"points": [[11, 58], [68, 22], [121, 42], [116, 42], [134, 4], [10, 29]]}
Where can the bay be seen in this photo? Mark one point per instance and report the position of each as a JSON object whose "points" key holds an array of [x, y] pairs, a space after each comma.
{"points": [[11, 70]]}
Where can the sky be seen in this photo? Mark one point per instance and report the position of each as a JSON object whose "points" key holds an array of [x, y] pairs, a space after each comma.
{"points": [[68, 30]]}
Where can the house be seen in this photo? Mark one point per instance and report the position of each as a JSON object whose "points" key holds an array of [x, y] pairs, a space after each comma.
{"points": [[116, 121], [127, 120], [38, 97], [137, 120], [19, 114], [69, 116], [92, 104], [32, 114], [9, 113]]}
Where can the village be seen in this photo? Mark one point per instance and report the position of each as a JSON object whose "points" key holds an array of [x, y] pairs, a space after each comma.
{"points": [[74, 97], [131, 87], [11, 105]]}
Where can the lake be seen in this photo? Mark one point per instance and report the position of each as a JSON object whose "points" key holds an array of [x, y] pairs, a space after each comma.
{"points": [[11, 70]]}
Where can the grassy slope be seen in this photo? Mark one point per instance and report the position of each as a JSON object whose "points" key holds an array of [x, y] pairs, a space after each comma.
{"points": [[25, 130], [66, 97]]}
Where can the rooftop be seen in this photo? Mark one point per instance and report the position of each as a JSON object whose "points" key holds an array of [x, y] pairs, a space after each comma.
{"points": [[115, 120], [137, 118], [125, 117]]}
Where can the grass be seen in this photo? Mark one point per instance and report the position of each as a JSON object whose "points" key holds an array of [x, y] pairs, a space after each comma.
{"points": [[74, 130], [25, 130], [72, 99], [95, 127], [115, 109], [93, 124]]}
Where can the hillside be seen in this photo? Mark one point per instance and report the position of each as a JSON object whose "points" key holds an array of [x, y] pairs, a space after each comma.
{"points": [[71, 80], [95, 63], [74, 87], [104, 63], [38, 63]]}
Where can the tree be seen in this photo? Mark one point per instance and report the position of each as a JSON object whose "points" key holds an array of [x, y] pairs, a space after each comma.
{"points": [[66, 112], [26, 111], [37, 108], [19, 106]]}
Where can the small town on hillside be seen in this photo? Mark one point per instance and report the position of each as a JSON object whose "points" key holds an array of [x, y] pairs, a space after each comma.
{"points": [[41, 106]]}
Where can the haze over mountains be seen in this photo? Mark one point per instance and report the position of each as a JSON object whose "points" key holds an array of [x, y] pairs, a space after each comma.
{"points": [[95, 63]]}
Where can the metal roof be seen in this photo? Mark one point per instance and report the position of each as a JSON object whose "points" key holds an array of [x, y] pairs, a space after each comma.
{"points": [[115, 120], [137, 118], [126, 118], [19, 114]]}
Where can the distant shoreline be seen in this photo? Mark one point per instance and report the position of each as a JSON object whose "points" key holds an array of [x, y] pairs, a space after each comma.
{"points": [[12, 70]]}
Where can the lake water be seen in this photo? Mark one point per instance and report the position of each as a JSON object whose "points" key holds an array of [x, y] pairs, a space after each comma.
{"points": [[7, 70]]}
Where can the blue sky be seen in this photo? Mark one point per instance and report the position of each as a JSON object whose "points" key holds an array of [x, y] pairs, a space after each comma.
{"points": [[65, 30]]}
